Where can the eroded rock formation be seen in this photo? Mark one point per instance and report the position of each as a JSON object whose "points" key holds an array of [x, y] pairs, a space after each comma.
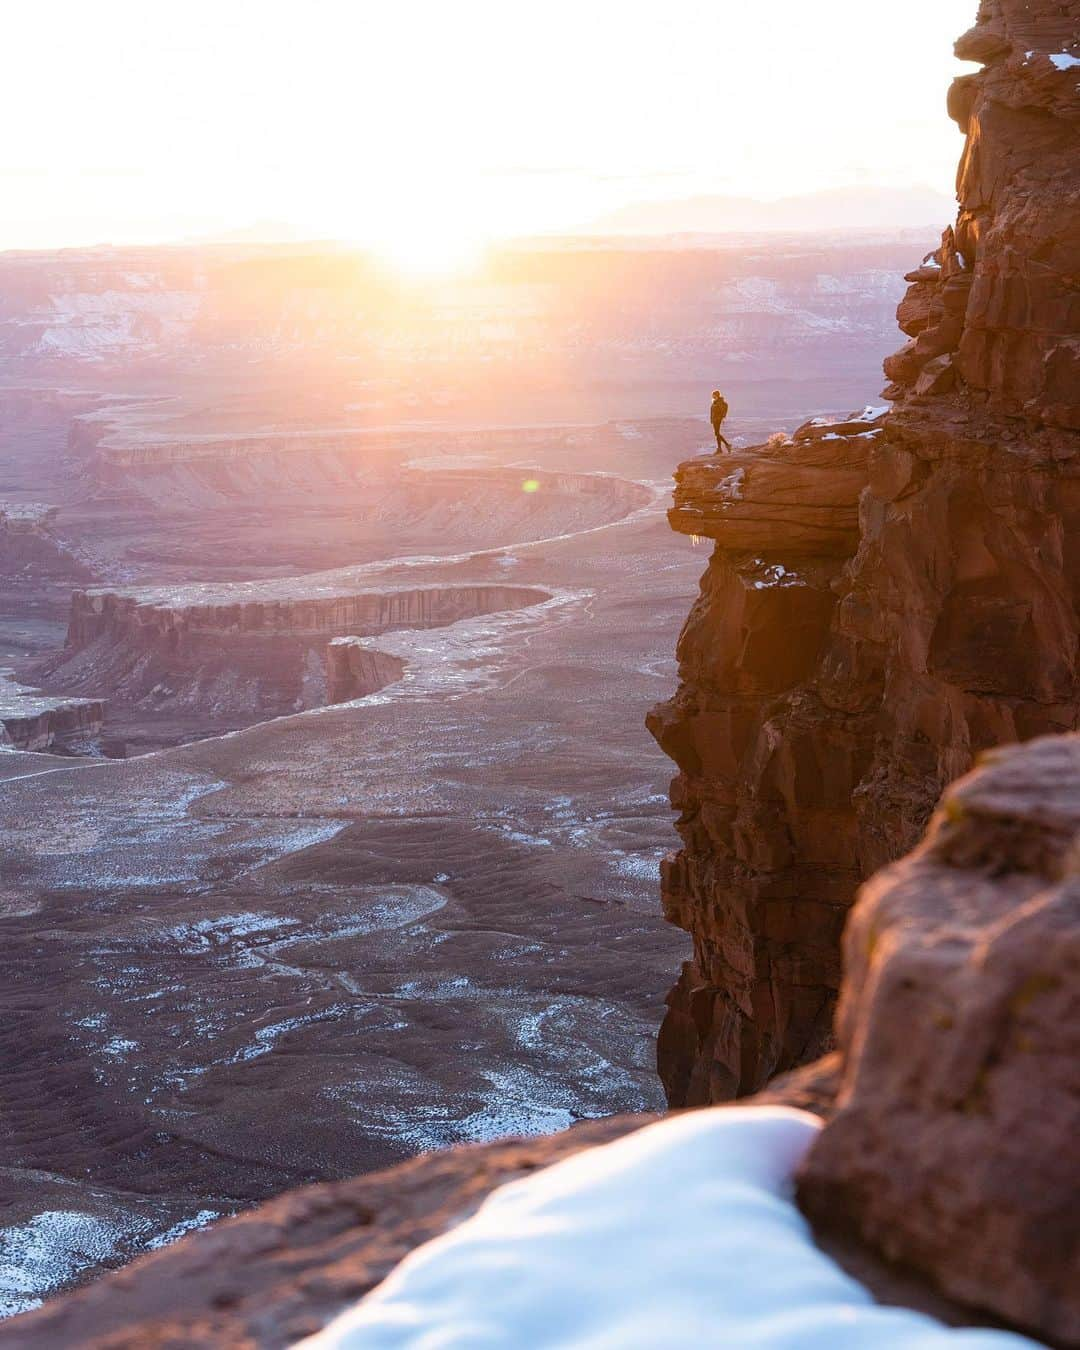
{"points": [[953, 1148], [883, 603], [28, 542], [355, 668], [237, 651], [30, 720]]}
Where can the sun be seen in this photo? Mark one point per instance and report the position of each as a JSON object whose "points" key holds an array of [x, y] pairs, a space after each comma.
{"points": [[431, 248]]}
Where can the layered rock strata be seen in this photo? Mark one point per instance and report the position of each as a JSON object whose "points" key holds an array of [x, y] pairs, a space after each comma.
{"points": [[881, 605], [30, 720], [180, 624], [354, 668], [253, 650]]}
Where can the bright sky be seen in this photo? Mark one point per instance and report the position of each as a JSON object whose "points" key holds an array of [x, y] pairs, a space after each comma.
{"points": [[432, 125]]}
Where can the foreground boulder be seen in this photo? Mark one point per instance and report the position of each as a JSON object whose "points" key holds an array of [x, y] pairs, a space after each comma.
{"points": [[889, 595], [953, 1148]]}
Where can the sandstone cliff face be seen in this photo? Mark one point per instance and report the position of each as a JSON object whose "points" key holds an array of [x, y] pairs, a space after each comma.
{"points": [[886, 597], [30, 720], [953, 1147]]}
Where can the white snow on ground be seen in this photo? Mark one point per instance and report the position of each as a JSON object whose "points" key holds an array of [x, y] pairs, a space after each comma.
{"points": [[178, 1230], [48, 1251], [776, 575], [731, 486], [684, 1233]]}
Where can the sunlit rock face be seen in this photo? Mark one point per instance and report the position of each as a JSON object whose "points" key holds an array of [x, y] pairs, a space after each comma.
{"points": [[952, 1149], [886, 597]]}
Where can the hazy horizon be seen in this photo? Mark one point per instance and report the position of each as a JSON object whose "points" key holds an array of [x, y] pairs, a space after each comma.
{"points": [[426, 134]]}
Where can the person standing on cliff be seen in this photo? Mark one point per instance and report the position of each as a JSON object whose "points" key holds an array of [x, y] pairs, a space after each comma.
{"points": [[717, 413]]}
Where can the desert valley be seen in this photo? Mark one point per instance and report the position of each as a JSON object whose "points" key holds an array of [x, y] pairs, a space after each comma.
{"points": [[333, 604]]}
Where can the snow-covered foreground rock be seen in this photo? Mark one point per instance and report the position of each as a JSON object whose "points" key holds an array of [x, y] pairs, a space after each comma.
{"points": [[685, 1232]]}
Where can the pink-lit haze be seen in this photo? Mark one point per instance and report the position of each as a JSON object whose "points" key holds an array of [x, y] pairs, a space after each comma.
{"points": [[425, 128]]}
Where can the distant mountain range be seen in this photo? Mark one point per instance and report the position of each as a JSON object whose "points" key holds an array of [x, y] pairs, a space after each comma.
{"points": [[832, 209]]}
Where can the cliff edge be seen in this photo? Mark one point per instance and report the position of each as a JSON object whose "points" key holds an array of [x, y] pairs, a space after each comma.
{"points": [[889, 594]]}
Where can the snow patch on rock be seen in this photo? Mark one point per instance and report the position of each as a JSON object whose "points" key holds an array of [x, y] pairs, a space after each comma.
{"points": [[682, 1233]]}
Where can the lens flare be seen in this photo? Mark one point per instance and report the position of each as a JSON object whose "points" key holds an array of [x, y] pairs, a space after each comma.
{"points": [[531, 485]]}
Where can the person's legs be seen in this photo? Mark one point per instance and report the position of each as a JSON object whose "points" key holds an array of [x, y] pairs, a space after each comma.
{"points": [[719, 440]]}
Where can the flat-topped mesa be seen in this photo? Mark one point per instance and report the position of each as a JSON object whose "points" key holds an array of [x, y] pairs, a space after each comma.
{"points": [[30, 720], [195, 616], [882, 604], [220, 656]]}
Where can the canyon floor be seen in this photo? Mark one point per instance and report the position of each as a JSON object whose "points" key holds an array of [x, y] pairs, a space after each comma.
{"points": [[328, 941], [325, 941]]}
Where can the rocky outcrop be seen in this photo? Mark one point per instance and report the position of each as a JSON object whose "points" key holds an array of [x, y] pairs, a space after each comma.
{"points": [[29, 544], [997, 308], [252, 649], [768, 863], [30, 720], [796, 496], [354, 669], [842, 664], [953, 1147], [282, 1272], [267, 1278]]}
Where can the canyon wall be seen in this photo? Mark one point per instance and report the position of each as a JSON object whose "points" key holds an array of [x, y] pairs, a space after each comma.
{"points": [[29, 544], [354, 669], [888, 596], [236, 652], [182, 623], [33, 721]]}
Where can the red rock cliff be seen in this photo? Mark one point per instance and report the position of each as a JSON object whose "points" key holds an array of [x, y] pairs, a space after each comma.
{"points": [[887, 596]]}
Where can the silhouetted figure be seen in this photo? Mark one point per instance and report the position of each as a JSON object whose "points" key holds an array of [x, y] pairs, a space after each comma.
{"points": [[717, 413]]}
